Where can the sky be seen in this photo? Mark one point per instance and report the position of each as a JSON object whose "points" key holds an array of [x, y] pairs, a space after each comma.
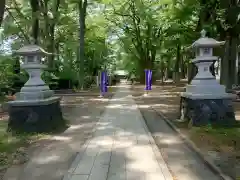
{"points": [[5, 45]]}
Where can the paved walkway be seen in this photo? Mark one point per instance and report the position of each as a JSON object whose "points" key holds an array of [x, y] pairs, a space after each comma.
{"points": [[121, 148]]}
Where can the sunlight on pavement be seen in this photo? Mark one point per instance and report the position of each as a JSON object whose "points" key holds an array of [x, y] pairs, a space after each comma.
{"points": [[74, 127], [47, 159], [61, 138]]}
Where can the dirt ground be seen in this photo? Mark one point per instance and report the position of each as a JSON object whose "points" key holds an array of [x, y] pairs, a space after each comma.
{"points": [[215, 144], [50, 157]]}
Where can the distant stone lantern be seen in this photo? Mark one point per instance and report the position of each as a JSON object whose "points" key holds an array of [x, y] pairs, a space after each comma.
{"points": [[35, 108], [205, 100]]}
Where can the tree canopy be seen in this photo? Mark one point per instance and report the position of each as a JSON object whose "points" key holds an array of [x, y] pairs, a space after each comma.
{"points": [[86, 36]]}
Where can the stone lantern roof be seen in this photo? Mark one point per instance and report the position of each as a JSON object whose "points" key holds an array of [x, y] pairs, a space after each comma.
{"points": [[206, 42], [31, 50]]}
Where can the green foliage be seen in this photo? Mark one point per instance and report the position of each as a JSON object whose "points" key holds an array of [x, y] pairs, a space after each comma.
{"points": [[6, 73], [120, 34]]}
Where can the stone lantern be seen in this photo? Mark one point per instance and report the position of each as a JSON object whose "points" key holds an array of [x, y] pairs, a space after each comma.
{"points": [[35, 108], [205, 100], [35, 88]]}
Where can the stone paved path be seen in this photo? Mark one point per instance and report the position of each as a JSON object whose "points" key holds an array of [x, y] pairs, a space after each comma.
{"points": [[121, 148]]}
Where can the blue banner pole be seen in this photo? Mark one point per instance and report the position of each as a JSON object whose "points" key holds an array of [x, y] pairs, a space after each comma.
{"points": [[102, 83], [148, 80], [106, 81], [103, 87]]}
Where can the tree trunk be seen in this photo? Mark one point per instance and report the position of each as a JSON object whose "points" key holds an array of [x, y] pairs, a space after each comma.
{"points": [[35, 23], [2, 10], [57, 49], [224, 63], [162, 68], [228, 73], [82, 16], [192, 72], [167, 74], [51, 46], [50, 27], [212, 69], [232, 62], [176, 77], [142, 67], [183, 69]]}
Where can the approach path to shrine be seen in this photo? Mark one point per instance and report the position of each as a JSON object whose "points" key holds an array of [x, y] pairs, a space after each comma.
{"points": [[121, 147]]}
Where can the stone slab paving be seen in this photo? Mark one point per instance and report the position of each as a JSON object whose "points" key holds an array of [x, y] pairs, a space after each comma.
{"points": [[121, 148]]}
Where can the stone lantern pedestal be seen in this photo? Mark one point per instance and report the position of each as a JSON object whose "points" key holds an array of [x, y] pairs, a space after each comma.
{"points": [[35, 108], [205, 100]]}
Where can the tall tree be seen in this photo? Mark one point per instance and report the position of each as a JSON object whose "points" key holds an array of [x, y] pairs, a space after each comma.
{"points": [[2, 9], [50, 10], [35, 20], [82, 5]]}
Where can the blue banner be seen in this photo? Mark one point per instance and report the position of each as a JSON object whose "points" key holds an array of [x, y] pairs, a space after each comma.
{"points": [[103, 82], [148, 79]]}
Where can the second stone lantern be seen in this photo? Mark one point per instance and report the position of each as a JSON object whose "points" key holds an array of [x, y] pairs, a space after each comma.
{"points": [[205, 100]]}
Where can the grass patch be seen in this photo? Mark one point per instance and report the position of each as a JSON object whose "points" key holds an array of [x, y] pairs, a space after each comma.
{"points": [[10, 144], [221, 144], [225, 140], [221, 139]]}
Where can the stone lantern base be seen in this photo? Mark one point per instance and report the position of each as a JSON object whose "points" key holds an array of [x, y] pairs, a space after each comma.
{"points": [[202, 112], [35, 115]]}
